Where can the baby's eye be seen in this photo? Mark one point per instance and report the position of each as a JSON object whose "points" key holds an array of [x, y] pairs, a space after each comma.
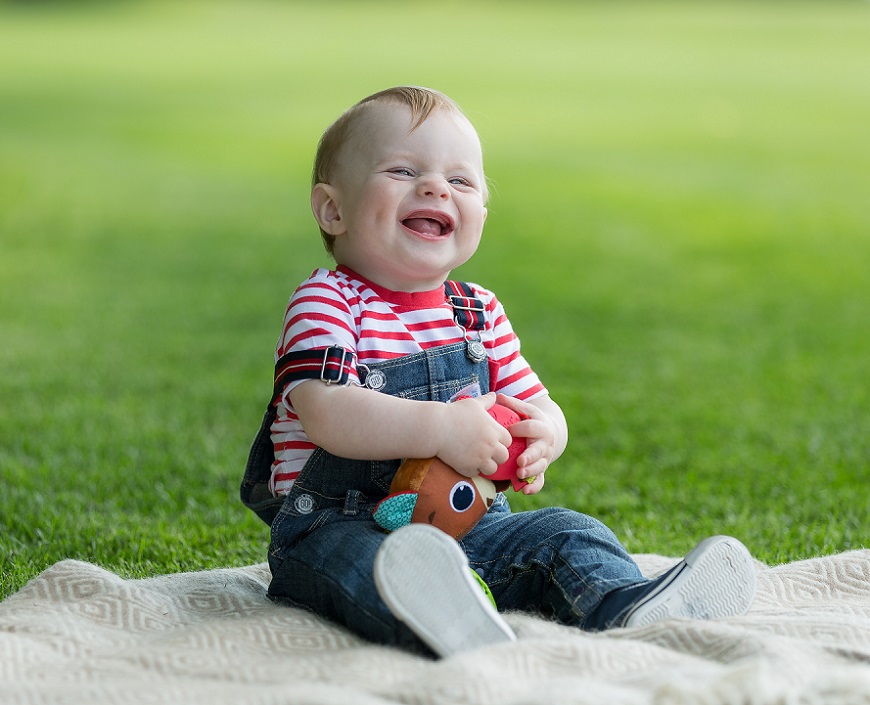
{"points": [[402, 171], [460, 181]]}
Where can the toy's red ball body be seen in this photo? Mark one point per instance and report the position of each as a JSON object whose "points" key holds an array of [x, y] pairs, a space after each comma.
{"points": [[508, 469]]}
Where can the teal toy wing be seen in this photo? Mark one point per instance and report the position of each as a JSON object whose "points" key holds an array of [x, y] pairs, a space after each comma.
{"points": [[395, 511]]}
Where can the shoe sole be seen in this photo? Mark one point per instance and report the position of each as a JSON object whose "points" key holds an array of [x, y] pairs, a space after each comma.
{"points": [[715, 580], [424, 578]]}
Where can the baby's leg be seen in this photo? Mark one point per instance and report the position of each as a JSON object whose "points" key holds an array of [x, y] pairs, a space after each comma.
{"points": [[330, 570], [573, 568], [552, 560]]}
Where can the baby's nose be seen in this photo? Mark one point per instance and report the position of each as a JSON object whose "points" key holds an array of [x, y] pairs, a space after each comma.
{"points": [[434, 187]]}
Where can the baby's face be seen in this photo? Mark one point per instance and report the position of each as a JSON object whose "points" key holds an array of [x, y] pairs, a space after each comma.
{"points": [[410, 204]]}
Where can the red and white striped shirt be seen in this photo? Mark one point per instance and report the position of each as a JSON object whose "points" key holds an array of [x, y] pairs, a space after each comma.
{"points": [[376, 324]]}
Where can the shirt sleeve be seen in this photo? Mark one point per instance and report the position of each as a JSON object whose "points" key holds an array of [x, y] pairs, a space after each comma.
{"points": [[319, 315], [516, 378]]}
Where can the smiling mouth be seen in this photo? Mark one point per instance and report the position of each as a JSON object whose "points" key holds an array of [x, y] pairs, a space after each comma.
{"points": [[429, 223]]}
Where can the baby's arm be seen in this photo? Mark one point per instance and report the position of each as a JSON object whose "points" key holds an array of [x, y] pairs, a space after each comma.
{"points": [[546, 433], [354, 422]]}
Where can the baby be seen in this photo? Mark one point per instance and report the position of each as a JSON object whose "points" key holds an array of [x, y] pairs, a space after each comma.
{"points": [[368, 356]]}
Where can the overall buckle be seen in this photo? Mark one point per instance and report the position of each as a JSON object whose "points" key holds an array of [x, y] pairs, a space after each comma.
{"points": [[329, 373], [467, 303]]}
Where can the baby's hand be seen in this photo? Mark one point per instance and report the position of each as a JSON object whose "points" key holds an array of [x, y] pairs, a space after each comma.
{"points": [[471, 441], [540, 434]]}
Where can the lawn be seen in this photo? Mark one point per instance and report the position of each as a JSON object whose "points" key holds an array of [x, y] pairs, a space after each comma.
{"points": [[679, 228]]}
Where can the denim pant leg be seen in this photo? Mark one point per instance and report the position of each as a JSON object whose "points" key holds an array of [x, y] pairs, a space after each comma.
{"points": [[552, 561], [325, 563]]}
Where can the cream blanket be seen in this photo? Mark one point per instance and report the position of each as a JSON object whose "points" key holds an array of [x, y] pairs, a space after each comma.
{"points": [[79, 634]]}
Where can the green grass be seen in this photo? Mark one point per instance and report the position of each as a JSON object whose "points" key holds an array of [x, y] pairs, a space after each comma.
{"points": [[680, 231]]}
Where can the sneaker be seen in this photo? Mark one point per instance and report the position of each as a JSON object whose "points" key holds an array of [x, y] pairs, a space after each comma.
{"points": [[716, 579], [424, 578]]}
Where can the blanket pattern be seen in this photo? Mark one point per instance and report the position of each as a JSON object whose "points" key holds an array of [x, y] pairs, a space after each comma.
{"points": [[80, 634]]}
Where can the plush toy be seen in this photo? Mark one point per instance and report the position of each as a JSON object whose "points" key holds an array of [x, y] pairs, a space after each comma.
{"points": [[430, 491]]}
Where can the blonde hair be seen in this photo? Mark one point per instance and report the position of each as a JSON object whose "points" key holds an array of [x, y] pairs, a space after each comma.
{"points": [[422, 102]]}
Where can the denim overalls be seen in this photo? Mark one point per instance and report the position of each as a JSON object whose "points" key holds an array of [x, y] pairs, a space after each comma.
{"points": [[324, 540]]}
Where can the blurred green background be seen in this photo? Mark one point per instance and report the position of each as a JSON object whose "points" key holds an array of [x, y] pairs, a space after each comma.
{"points": [[679, 229]]}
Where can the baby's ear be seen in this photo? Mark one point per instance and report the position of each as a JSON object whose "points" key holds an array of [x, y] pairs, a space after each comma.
{"points": [[324, 203]]}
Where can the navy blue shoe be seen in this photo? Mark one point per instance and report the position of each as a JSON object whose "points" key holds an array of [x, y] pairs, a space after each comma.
{"points": [[715, 580]]}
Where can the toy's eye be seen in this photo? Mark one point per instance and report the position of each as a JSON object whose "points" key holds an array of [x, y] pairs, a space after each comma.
{"points": [[462, 496]]}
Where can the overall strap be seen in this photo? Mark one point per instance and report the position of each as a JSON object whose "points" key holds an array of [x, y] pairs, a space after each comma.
{"points": [[468, 311], [330, 365]]}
